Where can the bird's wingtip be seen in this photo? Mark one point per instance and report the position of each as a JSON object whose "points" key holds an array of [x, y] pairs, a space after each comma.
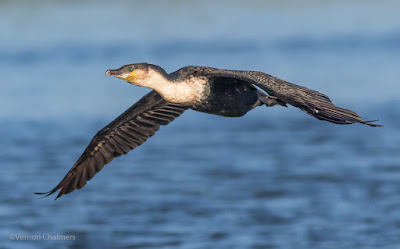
{"points": [[370, 123], [45, 194]]}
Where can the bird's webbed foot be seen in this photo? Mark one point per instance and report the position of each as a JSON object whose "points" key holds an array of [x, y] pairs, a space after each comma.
{"points": [[270, 100]]}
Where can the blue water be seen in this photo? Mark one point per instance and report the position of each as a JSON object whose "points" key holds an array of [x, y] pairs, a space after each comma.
{"points": [[276, 178]]}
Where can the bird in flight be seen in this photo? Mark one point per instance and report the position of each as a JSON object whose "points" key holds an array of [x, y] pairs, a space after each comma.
{"points": [[222, 92]]}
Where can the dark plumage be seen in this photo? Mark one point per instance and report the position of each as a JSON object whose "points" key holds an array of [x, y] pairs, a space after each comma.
{"points": [[210, 90]]}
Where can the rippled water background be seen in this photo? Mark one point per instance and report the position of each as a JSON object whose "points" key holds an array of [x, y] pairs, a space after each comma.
{"points": [[276, 178]]}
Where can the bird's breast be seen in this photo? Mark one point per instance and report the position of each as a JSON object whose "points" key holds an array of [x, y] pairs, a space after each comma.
{"points": [[189, 91]]}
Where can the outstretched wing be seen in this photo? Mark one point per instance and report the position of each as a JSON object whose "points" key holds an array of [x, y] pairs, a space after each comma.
{"points": [[312, 102], [126, 132]]}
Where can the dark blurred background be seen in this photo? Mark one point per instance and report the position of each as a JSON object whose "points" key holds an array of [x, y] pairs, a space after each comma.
{"points": [[276, 178]]}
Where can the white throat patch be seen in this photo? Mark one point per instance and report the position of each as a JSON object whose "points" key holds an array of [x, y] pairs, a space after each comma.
{"points": [[189, 91]]}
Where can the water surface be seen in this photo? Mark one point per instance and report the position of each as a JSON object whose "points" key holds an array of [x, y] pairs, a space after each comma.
{"points": [[276, 178]]}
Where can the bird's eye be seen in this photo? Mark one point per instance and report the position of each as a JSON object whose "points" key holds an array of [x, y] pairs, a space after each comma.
{"points": [[131, 69]]}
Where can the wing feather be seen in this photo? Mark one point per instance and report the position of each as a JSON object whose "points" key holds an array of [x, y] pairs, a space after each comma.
{"points": [[310, 101], [126, 132]]}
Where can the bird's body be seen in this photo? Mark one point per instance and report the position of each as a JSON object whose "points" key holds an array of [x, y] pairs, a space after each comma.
{"points": [[211, 95], [228, 100], [221, 92]]}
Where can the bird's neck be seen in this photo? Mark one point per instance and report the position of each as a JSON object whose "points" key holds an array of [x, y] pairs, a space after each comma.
{"points": [[156, 80]]}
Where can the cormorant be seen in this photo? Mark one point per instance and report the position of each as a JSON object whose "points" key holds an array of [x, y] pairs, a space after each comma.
{"points": [[221, 92]]}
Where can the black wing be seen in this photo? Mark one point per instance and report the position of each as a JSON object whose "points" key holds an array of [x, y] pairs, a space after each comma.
{"points": [[312, 102], [126, 132]]}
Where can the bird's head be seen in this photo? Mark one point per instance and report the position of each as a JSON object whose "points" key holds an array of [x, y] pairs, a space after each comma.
{"points": [[140, 74]]}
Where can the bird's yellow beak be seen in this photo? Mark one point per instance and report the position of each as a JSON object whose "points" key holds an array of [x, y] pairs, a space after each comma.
{"points": [[129, 77]]}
